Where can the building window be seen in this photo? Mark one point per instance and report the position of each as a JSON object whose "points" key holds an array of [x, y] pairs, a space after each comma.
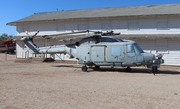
{"points": [[106, 26], [61, 28], [26, 28], [133, 26], [82, 27], [162, 46], [162, 25]]}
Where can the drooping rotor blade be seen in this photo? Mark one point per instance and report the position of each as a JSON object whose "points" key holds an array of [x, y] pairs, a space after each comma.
{"points": [[35, 33], [73, 38], [110, 33], [32, 37], [85, 33], [79, 34], [67, 33]]}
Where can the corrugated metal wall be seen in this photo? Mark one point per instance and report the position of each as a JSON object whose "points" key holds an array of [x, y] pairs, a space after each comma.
{"points": [[126, 25], [169, 47]]}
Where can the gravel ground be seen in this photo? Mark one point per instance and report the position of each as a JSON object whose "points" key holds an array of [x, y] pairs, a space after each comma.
{"points": [[38, 85]]}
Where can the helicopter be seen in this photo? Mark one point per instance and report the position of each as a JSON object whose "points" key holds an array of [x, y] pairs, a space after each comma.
{"points": [[101, 49]]}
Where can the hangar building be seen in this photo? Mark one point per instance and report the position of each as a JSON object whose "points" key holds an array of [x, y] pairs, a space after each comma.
{"points": [[156, 28]]}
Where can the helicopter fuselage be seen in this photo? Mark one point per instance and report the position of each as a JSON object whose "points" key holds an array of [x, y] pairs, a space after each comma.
{"points": [[125, 54], [102, 51]]}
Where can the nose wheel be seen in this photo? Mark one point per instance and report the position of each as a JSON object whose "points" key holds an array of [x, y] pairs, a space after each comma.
{"points": [[154, 69]]}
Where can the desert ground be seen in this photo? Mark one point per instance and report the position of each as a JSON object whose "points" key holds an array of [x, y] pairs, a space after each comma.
{"points": [[53, 85]]}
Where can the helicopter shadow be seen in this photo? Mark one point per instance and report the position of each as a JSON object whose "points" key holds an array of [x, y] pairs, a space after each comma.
{"points": [[68, 66], [135, 70], [168, 72], [122, 70]]}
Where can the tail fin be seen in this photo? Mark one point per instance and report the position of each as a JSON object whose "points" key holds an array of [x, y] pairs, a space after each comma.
{"points": [[28, 43]]}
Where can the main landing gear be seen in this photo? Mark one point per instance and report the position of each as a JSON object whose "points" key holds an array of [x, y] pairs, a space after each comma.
{"points": [[84, 68]]}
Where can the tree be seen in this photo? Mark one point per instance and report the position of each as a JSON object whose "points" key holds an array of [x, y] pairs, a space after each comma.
{"points": [[5, 36]]}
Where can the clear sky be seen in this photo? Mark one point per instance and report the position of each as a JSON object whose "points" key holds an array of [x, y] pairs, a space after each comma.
{"points": [[11, 10]]}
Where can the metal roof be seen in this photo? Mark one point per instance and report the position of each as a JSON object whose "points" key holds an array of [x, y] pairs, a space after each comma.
{"points": [[164, 9]]}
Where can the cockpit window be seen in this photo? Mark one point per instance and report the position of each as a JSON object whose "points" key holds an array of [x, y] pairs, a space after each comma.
{"points": [[138, 49], [130, 49], [134, 48]]}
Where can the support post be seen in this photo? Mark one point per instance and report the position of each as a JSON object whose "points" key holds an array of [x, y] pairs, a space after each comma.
{"points": [[6, 53]]}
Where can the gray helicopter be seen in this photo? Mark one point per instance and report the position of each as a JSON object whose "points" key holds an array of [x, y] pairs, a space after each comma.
{"points": [[102, 49]]}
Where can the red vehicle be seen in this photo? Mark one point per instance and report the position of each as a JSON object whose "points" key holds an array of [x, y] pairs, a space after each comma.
{"points": [[8, 46]]}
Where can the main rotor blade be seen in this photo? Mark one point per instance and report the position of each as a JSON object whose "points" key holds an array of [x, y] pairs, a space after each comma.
{"points": [[69, 33]]}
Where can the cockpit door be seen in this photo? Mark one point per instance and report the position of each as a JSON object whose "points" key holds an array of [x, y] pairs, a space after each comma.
{"points": [[130, 55], [130, 51]]}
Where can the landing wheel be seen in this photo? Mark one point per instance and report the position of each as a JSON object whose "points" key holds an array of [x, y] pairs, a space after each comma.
{"points": [[84, 68], [128, 69], [154, 69]]}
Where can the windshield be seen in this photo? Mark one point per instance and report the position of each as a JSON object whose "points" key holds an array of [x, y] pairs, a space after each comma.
{"points": [[138, 49]]}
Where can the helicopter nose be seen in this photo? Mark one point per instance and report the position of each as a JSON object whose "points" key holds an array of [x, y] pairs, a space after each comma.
{"points": [[148, 57]]}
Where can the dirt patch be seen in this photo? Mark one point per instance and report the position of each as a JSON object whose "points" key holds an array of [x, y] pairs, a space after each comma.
{"points": [[40, 85]]}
